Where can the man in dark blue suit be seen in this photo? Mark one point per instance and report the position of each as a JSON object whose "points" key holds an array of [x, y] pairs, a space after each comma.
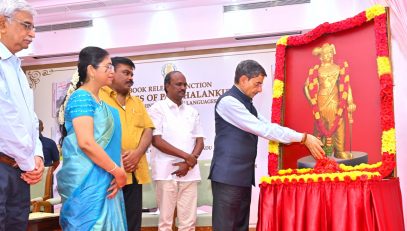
{"points": [[237, 127], [49, 148]]}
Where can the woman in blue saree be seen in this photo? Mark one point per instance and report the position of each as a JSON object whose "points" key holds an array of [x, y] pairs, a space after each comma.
{"points": [[90, 179]]}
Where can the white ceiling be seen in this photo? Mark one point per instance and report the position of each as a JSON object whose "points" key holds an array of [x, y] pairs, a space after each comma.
{"points": [[56, 11]]}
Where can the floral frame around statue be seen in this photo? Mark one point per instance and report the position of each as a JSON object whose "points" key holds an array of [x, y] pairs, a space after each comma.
{"points": [[376, 17]]}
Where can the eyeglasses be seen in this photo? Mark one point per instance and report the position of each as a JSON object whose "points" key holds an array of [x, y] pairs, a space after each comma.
{"points": [[109, 67], [27, 26]]}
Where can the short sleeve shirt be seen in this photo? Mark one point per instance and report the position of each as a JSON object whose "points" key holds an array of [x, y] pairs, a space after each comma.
{"points": [[179, 126], [134, 119]]}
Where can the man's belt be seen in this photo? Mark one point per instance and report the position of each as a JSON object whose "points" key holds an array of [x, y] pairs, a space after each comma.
{"points": [[8, 160]]}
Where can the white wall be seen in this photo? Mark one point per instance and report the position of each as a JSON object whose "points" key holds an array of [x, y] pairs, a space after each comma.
{"points": [[208, 27], [189, 28], [400, 110]]}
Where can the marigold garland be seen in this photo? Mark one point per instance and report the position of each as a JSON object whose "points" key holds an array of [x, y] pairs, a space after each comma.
{"points": [[312, 177], [389, 141], [374, 11], [313, 87], [273, 147], [388, 150], [282, 41], [278, 88], [383, 65], [342, 168]]}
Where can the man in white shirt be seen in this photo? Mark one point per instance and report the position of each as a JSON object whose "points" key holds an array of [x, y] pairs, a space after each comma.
{"points": [[238, 126], [21, 158], [177, 144]]}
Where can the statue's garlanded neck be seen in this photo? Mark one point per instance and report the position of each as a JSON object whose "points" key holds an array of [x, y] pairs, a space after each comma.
{"points": [[325, 64]]}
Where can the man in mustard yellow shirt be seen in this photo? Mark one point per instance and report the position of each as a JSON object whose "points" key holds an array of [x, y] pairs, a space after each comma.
{"points": [[136, 136]]}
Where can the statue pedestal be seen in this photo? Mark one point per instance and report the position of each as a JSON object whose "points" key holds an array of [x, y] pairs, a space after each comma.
{"points": [[358, 158]]}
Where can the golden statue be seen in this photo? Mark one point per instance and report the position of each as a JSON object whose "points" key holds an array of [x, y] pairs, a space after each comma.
{"points": [[328, 90]]}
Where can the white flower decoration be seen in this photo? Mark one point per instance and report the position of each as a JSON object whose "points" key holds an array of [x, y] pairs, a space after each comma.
{"points": [[71, 89]]}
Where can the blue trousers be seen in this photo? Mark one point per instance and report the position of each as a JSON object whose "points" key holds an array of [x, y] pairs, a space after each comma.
{"points": [[14, 199], [231, 207]]}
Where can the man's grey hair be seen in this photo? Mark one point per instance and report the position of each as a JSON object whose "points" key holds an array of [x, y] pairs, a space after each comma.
{"points": [[9, 7]]}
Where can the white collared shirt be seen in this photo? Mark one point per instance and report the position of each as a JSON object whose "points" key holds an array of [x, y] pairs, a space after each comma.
{"points": [[235, 113], [19, 136], [179, 126]]}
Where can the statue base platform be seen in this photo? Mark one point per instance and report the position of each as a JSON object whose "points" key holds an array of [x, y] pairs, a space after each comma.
{"points": [[358, 158]]}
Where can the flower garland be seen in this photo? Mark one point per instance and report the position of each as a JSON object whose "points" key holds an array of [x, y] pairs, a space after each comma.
{"points": [[321, 177], [327, 165], [71, 89], [388, 149], [313, 87]]}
